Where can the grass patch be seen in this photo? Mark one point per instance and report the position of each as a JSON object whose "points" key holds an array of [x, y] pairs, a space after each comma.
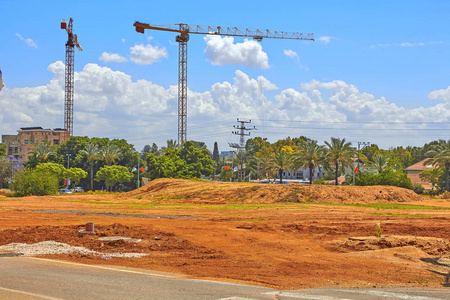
{"points": [[404, 216], [384, 206]]}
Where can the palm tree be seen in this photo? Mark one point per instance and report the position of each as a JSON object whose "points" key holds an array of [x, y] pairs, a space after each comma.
{"points": [[42, 151], [379, 162], [109, 153], [339, 154], [440, 154], [92, 153], [263, 165], [282, 160], [310, 156]]}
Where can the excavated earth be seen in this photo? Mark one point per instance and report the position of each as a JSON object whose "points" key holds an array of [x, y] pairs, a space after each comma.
{"points": [[289, 236]]}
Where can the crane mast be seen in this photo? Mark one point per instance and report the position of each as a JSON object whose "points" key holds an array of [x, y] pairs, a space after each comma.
{"points": [[72, 41], [184, 30]]}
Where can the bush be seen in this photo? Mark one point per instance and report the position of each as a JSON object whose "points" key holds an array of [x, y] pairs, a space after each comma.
{"points": [[32, 182], [319, 181], [418, 188]]}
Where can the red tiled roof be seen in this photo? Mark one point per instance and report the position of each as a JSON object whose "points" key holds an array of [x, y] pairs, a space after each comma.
{"points": [[418, 166]]}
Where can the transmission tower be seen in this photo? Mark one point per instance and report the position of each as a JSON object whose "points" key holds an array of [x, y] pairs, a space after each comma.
{"points": [[242, 133], [72, 41], [184, 30]]}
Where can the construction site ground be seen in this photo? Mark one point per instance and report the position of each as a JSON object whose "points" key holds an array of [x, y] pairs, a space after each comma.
{"points": [[289, 236]]}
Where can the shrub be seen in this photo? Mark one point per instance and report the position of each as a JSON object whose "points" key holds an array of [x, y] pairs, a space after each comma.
{"points": [[319, 181], [445, 195], [418, 188], [33, 182]]}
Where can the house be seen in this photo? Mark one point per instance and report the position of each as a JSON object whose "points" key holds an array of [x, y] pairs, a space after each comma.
{"points": [[301, 174], [414, 170], [21, 144]]}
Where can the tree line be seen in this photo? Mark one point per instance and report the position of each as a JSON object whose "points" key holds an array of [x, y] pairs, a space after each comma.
{"points": [[101, 163]]}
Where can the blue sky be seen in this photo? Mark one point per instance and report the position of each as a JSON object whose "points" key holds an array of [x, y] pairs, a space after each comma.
{"points": [[378, 70]]}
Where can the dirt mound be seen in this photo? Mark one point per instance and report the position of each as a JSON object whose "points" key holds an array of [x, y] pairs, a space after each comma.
{"points": [[429, 245], [182, 191]]}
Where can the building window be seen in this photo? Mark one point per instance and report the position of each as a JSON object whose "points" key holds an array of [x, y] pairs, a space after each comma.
{"points": [[16, 150], [55, 142], [299, 175]]}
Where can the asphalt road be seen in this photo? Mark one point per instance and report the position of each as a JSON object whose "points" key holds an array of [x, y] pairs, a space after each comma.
{"points": [[34, 278]]}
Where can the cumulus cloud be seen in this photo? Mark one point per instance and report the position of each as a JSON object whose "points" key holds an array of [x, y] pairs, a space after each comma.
{"points": [[147, 55], [112, 57], [27, 41], [440, 95], [223, 51], [109, 103]]}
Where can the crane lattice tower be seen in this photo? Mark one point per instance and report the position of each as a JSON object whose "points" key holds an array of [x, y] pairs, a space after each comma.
{"points": [[72, 41]]}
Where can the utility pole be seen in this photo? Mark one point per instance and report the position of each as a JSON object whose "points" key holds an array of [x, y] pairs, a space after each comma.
{"points": [[243, 131]]}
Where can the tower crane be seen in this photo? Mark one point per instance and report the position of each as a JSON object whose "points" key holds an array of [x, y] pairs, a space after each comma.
{"points": [[184, 30], [72, 41]]}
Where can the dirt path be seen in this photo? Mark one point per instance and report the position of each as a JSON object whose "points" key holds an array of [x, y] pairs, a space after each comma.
{"points": [[287, 237]]}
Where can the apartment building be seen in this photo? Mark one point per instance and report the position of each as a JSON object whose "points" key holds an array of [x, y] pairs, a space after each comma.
{"points": [[21, 144]]}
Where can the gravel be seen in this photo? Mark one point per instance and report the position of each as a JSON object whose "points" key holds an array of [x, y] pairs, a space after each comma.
{"points": [[52, 247]]}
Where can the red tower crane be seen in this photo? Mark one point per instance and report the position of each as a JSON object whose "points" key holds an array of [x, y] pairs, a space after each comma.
{"points": [[72, 41], [184, 30]]}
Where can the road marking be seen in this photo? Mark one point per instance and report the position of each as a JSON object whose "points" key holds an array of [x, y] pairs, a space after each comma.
{"points": [[100, 267], [30, 294], [390, 295], [300, 295]]}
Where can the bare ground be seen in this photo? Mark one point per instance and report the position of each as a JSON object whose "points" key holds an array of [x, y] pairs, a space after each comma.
{"points": [[282, 236]]}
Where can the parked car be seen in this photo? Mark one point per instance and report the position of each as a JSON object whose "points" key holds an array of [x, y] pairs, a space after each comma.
{"points": [[65, 191], [78, 189]]}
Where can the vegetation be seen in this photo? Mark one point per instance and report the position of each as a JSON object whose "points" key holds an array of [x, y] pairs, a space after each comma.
{"points": [[440, 154], [34, 182], [112, 175], [339, 154]]}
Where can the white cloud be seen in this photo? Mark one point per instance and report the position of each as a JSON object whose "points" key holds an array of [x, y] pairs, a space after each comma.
{"points": [[404, 44], [290, 53], [223, 51], [112, 57], [109, 103], [124, 40], [440, 95], [27, 41], [146, 55], [325, 39]]}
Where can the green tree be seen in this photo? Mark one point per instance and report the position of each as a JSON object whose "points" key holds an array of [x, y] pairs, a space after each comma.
{"points": [[75, 175], [432, 176], [110, 153], [339, 154], [282, 160], [440, 154], [92, 153], [34, 182], [379, 162], [215, 155], [387, 177], [264, 165], [112, 175], [3, 149], [42, 151], [310, 156], [53, 168]]}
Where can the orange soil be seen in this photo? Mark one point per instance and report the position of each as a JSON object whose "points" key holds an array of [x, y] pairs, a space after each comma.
{"points": [[242, 232]]}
